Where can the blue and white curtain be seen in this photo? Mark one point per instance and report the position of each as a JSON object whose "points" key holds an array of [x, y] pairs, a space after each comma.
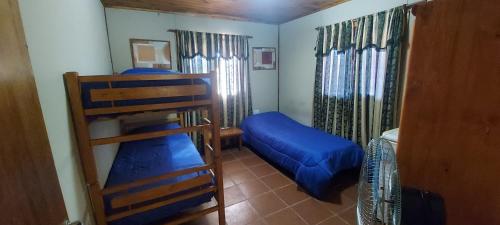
{"points": [[358, 77], [228, 55]]}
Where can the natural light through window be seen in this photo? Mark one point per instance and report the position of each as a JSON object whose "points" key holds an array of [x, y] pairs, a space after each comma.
{"points": [[227, 72]]}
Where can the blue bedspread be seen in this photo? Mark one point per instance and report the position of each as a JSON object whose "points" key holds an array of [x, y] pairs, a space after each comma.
{"points": [[153, 157], [312, 156]]}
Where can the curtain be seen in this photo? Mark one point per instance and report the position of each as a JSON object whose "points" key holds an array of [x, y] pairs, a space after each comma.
{"points": [[358, 72], [228, 55]]}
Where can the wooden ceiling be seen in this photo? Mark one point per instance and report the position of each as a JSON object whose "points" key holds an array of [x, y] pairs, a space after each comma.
{"points": [[264, 11]]}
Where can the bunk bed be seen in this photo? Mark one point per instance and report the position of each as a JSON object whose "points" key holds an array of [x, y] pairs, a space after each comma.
{"points": [[158, 175]]}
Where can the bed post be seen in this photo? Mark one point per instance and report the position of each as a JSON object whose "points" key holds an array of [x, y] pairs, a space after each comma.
{"points": [[217, 147], [84, 147]]}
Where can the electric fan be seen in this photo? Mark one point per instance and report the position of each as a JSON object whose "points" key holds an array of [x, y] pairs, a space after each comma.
{"points": [[379, 190]]}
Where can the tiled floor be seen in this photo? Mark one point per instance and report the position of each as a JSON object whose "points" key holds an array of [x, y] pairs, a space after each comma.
{"points": [[257, 193]]}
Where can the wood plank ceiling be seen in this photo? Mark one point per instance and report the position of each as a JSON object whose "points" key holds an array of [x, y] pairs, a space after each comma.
{"points": [[263, 11]]}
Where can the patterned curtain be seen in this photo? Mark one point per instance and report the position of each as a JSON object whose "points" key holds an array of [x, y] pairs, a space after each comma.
{"points": [[357, 79], [228, 55]]}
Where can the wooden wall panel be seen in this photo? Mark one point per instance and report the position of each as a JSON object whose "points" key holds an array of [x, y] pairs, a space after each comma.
{"points": [[29, 188], [450, 128], [266, 11]]}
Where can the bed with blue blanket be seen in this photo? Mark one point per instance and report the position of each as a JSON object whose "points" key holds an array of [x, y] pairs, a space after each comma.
{"points": [[153, 157], [86, 89], [312, 156]]}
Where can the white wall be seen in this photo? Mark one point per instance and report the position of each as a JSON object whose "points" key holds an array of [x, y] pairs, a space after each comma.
{"points": [[297, 60], [104, 154], [126, 24], [65, 36]]}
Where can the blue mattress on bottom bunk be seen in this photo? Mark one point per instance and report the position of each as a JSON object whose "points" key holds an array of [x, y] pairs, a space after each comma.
{"points": [[154, 157], [312, 156]]}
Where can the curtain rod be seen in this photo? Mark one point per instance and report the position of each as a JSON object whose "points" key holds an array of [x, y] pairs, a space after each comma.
{"points": [[414, 4], [175, 30], [406, 7]]}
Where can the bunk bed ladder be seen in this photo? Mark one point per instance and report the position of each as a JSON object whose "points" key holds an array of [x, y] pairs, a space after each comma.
{"points": [[85, 147], [215, 116]]}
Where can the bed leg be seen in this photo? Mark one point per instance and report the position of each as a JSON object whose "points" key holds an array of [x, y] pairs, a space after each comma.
{"points": [[240, 143], [220, 191], [222, 215]]}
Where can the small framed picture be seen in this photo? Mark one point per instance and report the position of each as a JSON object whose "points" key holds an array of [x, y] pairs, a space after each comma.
{"points": [[264, 58], [150, 54]]}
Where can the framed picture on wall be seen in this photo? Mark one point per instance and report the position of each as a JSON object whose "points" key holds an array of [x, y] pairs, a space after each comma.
{"points": [[264, 58], [151, 54]]}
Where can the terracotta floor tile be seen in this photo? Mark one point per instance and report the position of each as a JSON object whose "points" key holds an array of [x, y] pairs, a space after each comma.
{"points": [[338, 205], [312, 211], [227, 181], [291, 194], [228, 151], [244, 153], [233, 166], [351, 192], [285, 217], [210, 219], [258, 222], [267, 203], [334, 221], [233, 195], [248, 181], [350, 215], [253, 188], [240, 214], [252, 161], [263, 170], [211, 203], [242, 176], [228, 158], [276, 180]]}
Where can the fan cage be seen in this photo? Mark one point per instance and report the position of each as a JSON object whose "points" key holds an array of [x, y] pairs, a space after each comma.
{"points": [[379, 189]]}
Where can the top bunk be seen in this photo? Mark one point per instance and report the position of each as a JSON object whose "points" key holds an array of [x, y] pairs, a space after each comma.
{"points": [[140, 90]]}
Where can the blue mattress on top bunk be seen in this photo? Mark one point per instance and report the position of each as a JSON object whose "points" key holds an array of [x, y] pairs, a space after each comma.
{"points": [[312, 156], [147, 158], [87, 87]]}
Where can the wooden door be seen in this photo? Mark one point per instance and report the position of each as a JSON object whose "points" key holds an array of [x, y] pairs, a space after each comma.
{"points": [[450, 128], [29, 189]]}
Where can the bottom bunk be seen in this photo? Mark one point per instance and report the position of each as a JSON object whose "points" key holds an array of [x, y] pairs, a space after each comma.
{"points": [[138, 160]]}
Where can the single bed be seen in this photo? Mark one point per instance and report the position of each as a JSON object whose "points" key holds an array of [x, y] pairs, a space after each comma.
{"points": [[148, 158], [312, 156]]}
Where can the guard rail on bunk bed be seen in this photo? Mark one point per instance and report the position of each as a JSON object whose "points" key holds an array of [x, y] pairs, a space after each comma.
{"points": [[148, 194]]}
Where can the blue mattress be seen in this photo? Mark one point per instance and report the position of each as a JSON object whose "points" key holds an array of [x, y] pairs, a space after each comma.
{"points": [[312, 156], [142, 159], [87, 87]]}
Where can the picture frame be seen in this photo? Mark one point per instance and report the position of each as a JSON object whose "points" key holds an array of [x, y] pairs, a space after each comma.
{"points": [[151, 53], [264, 58]]}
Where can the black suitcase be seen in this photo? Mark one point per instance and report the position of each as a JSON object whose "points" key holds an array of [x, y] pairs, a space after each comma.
{"points": [[421, 208]]}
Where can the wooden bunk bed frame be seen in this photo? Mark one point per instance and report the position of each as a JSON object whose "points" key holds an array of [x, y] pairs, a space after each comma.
{"points": [[211, 127]]}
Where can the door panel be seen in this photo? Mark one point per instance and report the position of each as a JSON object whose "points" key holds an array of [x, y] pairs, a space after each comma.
{"points": [[449, 139], [29, 189]]}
